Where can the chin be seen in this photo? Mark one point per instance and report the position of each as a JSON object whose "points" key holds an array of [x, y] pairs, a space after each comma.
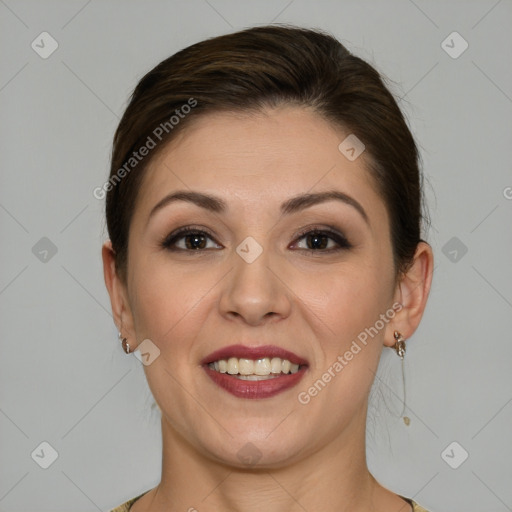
{"points": [[250, 446]]}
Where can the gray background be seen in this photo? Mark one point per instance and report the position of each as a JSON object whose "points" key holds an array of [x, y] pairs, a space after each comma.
{"points": [[63, 376]]}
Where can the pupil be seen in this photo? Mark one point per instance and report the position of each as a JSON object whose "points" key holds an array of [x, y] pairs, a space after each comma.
{"points": [[195, 241], [317, 241]]}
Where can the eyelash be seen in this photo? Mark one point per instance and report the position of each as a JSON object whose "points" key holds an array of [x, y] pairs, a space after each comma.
{"points": [[343, 244]]}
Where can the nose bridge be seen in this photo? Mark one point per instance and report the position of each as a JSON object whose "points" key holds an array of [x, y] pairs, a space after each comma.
{"points": [[253, 290]]}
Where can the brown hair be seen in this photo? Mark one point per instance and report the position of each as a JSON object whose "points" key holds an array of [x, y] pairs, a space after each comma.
{"points": [[265, 67]]}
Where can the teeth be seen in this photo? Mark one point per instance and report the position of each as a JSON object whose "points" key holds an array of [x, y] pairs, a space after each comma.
{"points": [[232, 366], [245, 367], [276, 365], [262, 366], [223, 366], [248, 369], [256, 377]]}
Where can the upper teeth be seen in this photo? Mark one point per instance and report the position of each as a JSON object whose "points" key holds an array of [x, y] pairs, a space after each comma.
{"points": [[264, 366]]}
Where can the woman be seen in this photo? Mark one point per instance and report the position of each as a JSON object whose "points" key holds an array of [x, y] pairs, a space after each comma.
{"points": [[264, 213]]}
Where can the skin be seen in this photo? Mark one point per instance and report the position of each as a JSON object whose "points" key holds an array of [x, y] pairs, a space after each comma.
{"points": [[312, 457]]}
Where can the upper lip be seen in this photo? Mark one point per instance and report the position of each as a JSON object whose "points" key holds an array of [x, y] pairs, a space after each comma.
{"points": [[259, 352]]}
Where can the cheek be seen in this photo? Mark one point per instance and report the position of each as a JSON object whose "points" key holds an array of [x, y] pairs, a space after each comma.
{"points": [[345, 299], [168, 301], [169, 310], [349, 304]]}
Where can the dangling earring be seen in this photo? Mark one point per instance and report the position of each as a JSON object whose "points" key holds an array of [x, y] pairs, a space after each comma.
{"points": [[400, 350], [125, 344]]}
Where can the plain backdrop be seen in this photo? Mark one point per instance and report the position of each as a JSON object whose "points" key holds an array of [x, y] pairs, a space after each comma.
{"points": [[64, 379]]}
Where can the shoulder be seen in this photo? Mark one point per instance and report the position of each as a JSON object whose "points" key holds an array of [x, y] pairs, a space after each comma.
{"points": [[416, 507], [125, 507]]}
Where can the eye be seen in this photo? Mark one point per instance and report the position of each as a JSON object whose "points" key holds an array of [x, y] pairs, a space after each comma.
{"points": [[321, 240], [189, 239], [313, 240]]}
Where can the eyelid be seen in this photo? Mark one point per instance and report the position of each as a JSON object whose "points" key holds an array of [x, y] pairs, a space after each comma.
{"points": [[182, 232], [337, 235], [317, 228]]}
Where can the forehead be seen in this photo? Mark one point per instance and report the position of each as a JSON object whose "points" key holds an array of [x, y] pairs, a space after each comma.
{"points": [[259, 157]]}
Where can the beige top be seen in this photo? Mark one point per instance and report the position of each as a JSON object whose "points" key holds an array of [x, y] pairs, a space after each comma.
{"points": [[125, 507]]}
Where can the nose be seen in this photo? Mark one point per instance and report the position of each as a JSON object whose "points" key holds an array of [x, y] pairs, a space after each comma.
{"points": [[254, 293]]}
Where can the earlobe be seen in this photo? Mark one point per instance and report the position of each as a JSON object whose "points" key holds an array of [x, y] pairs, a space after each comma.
{"points": [[412, 293]]}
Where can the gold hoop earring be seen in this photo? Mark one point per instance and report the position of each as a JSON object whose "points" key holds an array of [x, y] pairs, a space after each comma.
{"points": [[125, 344], [399, 347]]}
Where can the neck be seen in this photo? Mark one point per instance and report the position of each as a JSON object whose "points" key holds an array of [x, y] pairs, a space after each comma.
{"points": [[334, 478]]}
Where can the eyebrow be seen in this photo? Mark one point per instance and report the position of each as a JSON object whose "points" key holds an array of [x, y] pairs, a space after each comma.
{"points": [[290, 206]]}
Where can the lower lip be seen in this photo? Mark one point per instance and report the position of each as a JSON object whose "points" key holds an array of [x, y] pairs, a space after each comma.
{"points": [[255, 388]]}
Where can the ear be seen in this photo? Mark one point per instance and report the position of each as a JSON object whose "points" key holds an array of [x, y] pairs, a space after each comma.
{"points": [[118, 292], [412, 292]]}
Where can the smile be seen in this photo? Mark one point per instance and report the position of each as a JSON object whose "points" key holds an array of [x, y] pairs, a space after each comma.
{"points": [[254, 372]]}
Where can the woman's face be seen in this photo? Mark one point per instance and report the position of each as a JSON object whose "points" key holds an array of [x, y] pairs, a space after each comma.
{"points": [[270, 261]]}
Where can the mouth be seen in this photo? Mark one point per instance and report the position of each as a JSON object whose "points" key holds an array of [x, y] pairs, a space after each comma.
{"points": [[254, 372]]}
